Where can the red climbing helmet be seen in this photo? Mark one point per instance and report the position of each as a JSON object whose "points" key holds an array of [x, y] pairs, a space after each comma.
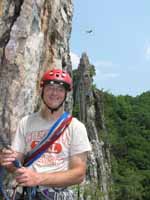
{"points": [[57, 76]]}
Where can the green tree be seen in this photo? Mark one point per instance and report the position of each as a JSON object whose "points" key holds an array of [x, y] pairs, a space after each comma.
{"points": [[128, 125]]}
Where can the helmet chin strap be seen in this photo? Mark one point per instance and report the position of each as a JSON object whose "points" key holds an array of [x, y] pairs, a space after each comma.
{"points": [[54, 109]]}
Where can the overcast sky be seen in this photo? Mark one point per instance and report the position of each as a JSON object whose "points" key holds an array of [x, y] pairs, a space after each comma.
{"points": [[119, 44]]}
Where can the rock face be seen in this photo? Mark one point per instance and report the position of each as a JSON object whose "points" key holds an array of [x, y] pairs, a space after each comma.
{"points": [[34, 35], [88, 108]]}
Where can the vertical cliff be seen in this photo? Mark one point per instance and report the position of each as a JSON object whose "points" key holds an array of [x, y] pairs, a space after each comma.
{"points": [[88, 107]]}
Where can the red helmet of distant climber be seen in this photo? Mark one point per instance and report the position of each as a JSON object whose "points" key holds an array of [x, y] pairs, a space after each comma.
{"points": [[57, 76]]}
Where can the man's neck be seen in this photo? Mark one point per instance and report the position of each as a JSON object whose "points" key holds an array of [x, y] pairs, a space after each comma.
{"points": [[49, 116]]}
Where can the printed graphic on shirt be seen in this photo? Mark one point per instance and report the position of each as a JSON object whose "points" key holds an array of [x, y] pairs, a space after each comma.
{"points": [[56, 153]]}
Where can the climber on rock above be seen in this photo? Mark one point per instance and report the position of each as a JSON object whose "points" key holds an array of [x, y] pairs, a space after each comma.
{"points": [[51, 144]]}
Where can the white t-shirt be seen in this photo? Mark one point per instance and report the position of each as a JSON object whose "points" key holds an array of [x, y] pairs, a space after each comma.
{"points": [[33, 128]]}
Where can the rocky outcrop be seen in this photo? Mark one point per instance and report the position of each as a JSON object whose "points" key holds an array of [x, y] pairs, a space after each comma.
{"points": [[34, 35], [88, 108]]}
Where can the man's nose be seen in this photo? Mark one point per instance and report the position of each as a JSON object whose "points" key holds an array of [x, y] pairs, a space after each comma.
{"points": [[55, 90]]}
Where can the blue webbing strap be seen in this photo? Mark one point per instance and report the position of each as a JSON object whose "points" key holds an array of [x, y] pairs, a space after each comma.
{"points": [[2, 191], [55, 131], [17, 164], [54, 126]]}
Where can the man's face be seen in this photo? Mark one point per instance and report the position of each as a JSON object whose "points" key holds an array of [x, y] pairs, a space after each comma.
{"points": [[54, 95]]}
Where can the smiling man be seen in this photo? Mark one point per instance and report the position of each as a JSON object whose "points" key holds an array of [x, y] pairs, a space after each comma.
{"points": [[63, 162]]}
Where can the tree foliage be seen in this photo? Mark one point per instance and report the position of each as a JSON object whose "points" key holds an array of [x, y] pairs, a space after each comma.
{"points": [[128, 124]]}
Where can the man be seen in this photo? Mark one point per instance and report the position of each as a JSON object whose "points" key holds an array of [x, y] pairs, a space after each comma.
{"points": [[64, 162]]}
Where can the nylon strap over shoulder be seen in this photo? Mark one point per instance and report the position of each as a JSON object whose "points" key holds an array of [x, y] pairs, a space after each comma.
{"points": [[54, 133]]}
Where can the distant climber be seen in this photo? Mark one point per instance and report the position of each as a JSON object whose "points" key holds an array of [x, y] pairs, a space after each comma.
{"points": [[89, 31]]}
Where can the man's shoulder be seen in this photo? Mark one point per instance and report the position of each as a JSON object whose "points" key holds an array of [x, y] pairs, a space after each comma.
{"points": [[76, 122], [30, 117]]}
